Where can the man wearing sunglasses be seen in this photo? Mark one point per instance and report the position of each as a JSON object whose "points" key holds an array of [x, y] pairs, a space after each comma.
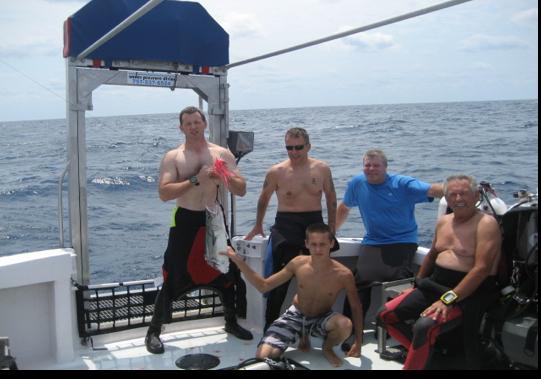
{"points": [[299, 183]]}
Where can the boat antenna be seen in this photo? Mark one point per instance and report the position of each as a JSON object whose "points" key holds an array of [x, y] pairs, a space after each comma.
{"points": [[350, 32], [147, 7]]}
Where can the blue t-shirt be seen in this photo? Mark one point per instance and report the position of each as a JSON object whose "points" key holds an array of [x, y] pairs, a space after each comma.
{"points": [[387, 209]]}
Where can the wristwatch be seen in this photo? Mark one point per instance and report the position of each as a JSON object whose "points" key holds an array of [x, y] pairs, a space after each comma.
{"points": [[449, 297], [194, 181]]}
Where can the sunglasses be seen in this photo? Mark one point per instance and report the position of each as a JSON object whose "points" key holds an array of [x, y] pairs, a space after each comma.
{"points": [[296, 147]]}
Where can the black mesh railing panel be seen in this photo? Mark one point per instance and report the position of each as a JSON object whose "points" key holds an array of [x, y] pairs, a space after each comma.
{"points": [[108, 308]]}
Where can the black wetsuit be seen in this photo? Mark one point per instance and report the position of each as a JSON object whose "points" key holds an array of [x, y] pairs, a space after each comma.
{"points": [[287, 238], [419, 340], [185, 269]]}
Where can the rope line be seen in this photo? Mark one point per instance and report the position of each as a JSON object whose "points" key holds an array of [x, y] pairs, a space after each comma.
{"points": [[32, 79]]}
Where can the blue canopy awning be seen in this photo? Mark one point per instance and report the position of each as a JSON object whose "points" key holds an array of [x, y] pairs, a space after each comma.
{"points": [[174, 31]]}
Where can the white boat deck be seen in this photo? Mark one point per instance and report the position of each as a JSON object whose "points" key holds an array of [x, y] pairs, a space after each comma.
{"points": [[126, 351], [49, 339]]}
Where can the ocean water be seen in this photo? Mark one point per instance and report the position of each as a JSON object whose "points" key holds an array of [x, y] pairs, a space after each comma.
{"points": [[128, 224]]}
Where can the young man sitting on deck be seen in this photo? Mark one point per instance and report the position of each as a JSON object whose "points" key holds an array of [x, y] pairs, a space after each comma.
{"points": [[319, 281]]}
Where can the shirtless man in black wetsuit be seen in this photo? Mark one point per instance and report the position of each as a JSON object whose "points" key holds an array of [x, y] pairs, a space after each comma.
{"points": [[187, 175], [299, 183]]}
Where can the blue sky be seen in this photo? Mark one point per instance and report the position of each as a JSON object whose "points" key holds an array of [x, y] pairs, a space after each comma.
{"points": [[480, 50]]}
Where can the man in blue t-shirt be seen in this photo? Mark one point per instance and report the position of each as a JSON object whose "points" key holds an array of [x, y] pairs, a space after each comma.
{"points": [[387, 206]]}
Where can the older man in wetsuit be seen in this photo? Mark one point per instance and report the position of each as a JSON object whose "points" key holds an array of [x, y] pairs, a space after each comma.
{"points": [[299, 183], [456, 281]]}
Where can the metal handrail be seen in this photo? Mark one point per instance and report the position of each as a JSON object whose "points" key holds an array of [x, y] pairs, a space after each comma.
{"points": [[392, 20], [60, 206], [120, 27]]}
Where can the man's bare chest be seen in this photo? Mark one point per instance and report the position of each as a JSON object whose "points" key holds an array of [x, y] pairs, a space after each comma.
{"points": [[319, 285], [190, 163], [461, 241], [295, 183]]}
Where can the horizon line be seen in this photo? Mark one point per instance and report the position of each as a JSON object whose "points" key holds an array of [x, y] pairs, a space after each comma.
{"points": [[283, 108]]}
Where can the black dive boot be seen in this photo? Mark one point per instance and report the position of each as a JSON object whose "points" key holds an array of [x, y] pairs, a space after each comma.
{"points": [[238, 331], [233, 327], [152, 340]]}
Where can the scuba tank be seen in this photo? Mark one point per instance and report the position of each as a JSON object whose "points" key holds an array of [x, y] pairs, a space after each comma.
{"points": [[489, 202], [442, 207]]}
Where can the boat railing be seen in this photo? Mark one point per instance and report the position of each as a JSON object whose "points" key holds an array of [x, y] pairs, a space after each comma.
{"points": [[114, 307]]}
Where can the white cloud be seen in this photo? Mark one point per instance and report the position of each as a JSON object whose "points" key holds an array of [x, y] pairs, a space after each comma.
{"points": [[241, 25], [529, 17], [33, 28], [366, 41], [29, 48], [479, 42], [370, 41], [481, 66]]}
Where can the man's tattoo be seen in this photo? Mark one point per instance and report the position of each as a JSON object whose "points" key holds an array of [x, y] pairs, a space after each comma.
{"points": [[332, 185]]}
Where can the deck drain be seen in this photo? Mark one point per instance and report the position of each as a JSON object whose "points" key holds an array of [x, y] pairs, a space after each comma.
{"points": [[197, 362]]}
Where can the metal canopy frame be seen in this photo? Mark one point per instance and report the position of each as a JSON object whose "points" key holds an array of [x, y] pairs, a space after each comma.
{"points": [[82, 79]]}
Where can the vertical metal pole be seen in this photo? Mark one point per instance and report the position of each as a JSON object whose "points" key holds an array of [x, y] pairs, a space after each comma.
{"points": [[61, 207], [224, 131], [201, 103], [218, 111], [233, 227], [75, 116]]}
